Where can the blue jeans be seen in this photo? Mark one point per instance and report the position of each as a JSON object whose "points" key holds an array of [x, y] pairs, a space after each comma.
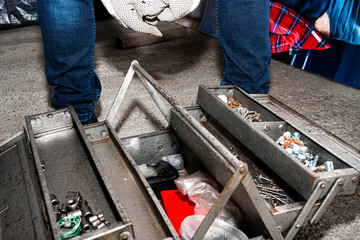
{"points": [[68, 29], [243, 27]]}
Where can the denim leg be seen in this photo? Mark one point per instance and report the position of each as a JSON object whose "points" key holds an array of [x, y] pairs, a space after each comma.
{"points": [[68, 29], [243, 27]]}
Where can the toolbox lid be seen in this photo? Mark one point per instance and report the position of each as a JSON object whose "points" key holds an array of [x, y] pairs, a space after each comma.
{"points": [[21, 215]]}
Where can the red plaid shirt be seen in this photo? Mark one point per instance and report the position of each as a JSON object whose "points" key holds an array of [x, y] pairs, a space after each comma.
{"points": [[288, 30]]}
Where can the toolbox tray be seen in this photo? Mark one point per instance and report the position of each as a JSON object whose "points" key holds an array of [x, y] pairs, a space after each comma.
{"points": [[260, 138], [58, 147]]}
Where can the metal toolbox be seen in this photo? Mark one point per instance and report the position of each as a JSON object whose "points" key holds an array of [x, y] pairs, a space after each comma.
{"points": [[58, 154]]}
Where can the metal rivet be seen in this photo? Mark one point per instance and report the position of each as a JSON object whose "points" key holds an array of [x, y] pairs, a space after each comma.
{"points": [[281, 126], [280, 228], [50, 115], [354, 179], [66, 112], [88, 136], [202, 117], [125, 236], [103, 133], [340, 184], [160, 148], [33, 120], [297, 226], [322, 185]]}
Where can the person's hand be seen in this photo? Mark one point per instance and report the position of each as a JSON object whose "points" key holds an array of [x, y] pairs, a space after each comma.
{"points": [[143, 15]]}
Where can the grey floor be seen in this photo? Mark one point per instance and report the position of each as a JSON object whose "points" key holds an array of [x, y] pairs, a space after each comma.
{"points": [[180, 66]]}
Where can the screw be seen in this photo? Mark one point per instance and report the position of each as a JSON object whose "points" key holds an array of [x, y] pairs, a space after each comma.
{"points": [[261, 177]]}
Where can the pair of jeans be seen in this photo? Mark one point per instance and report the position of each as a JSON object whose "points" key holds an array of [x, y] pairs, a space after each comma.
{"points": [[68, 29], [243, 27]]}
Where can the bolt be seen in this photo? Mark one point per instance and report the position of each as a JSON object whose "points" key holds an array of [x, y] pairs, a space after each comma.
{"points": [[242, 170], [315, 222], [296, 135], [287, 134]]}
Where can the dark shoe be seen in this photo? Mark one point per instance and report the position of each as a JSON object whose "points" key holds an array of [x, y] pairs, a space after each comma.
{"points": [[93, 119]]}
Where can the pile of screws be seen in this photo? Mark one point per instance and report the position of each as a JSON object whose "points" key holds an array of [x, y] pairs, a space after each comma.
{"points": [[250, 116], [268, 189], [271, 192], [293, 145], [76, 208]]}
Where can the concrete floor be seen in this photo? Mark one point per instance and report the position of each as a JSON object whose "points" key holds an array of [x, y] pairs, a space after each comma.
{"points": [[180, 66]]}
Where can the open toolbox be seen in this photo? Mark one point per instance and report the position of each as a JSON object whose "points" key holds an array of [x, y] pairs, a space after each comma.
{"points": [[57, 154]]}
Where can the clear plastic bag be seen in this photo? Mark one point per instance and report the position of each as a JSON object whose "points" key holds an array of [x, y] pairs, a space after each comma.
{"points": [[202, 190]]}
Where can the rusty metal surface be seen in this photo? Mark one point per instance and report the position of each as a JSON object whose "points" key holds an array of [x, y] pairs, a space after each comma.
{"points": [[21, 215]]}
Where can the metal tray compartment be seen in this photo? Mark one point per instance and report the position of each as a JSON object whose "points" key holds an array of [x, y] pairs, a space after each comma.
{"points": [[199, 155], [260, 138], [122, 177], [58, 147]]}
